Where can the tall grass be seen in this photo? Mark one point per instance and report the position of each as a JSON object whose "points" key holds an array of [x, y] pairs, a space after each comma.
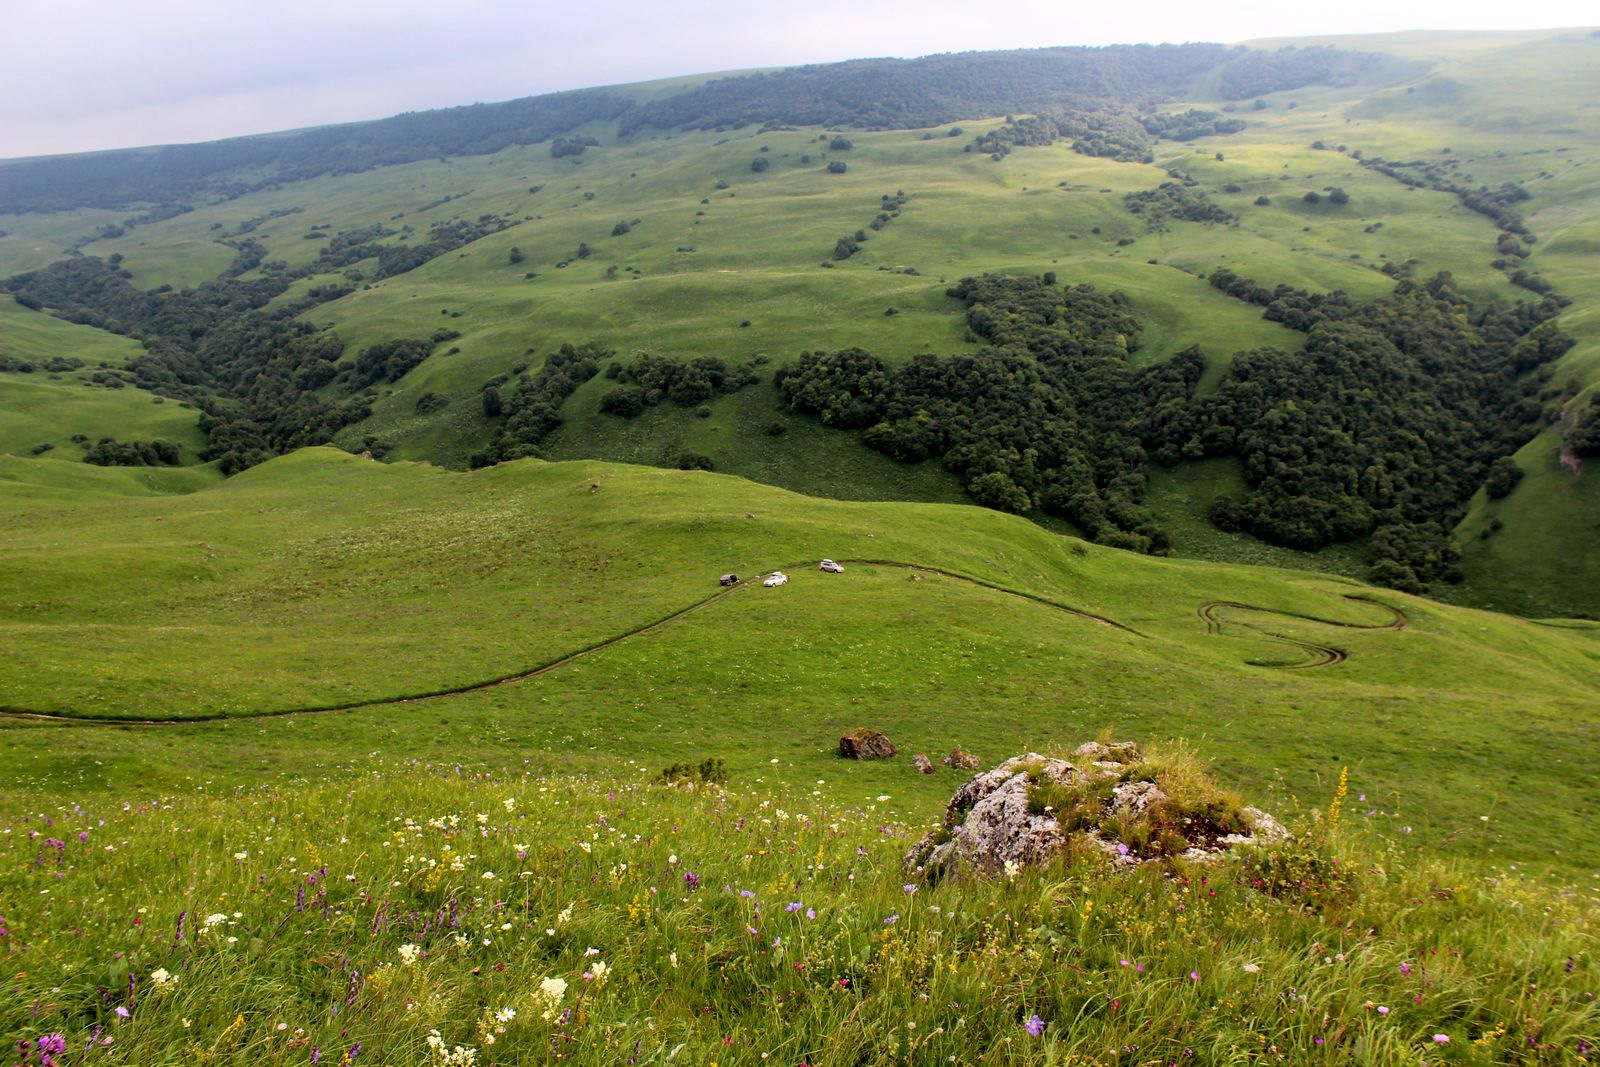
{"points": [[418, 915]]}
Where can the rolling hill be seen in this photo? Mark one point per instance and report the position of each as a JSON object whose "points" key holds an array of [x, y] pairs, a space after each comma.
{"points": [[715, 219]]}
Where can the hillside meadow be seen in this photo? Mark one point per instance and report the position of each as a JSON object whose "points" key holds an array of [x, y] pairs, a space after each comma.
{"points": [[400, 592]]}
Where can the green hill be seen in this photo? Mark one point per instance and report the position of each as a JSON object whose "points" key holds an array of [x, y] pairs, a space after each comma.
{"points": [[704, 221], [572, 611]]}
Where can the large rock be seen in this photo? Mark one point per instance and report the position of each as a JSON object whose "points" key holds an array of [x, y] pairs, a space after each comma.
{"points": [[923, 764], [866, 743], [989, 827], [987, 822]]}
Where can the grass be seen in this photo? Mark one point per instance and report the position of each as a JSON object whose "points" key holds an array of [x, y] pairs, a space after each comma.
{"points": [[401, 912], [321, 579]]}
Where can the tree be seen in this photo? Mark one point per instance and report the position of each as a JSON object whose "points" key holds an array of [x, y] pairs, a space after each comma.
{"points": [[1504, 474], [837, 167], [619, 229]]}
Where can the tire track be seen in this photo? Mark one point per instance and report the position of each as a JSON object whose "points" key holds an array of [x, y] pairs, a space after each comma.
{"points": [[1317, 655], [35, 715]]}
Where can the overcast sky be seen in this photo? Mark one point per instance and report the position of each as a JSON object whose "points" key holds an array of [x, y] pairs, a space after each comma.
{"points": [[89, 74]]}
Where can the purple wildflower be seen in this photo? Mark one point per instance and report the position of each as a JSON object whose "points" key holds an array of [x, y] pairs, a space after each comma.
{"points": [[1034, 1025], [1441, 1039], [811, 913], [793, 905], [691, 879], [891, 920]]}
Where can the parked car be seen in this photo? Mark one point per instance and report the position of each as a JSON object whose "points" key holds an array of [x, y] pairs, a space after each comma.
{"points": [[776, 578], [729, 579], [831, 567]]}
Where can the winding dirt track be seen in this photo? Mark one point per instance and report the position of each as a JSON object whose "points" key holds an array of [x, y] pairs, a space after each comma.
{"points": [[543, 668], [1316, 655]]}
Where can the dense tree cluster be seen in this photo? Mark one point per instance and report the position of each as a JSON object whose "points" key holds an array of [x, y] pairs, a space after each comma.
{"points": [[571, 146], [1382, 428], [1174, 200], [1046, 417], [1189, 125], [243, 164], [914, 93], [109, 452], [1254, 73], [651, 379], [533, 409], [1583, 440], [1111, 132], [1384, 425]]}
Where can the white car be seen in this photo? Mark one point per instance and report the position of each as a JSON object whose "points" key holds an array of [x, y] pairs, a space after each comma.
{"points": [[776, 578], [830, 566]]}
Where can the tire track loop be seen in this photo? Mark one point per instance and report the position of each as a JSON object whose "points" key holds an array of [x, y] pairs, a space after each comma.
{"points": [[1318, 655], [35, 715]]}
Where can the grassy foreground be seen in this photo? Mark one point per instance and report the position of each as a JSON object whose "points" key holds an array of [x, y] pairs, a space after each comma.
{"points": [[400, 913]]}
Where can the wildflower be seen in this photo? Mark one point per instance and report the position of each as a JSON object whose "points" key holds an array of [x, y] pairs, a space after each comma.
{"points": [[1405, 968], [215, 919], [1194, 976], [590, 951], [1034, 1025], [585, 846], [596, 973], [1383, 1009], [691, 880], [1441, 1039], [672, 958], [1013, 868], [793, 905], [672, 860], [241, 855], [883, 797], [409, 953], [549, 994], [811, 913], [565, 916], [505, 1015], [510, 804], [891, 920], [162, 980], [909, 887], [1252, 968]]}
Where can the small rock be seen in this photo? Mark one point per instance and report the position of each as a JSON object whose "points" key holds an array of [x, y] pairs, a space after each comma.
{"points": [[1116, 752], [962, 761], [923, 763], [866, 743]]}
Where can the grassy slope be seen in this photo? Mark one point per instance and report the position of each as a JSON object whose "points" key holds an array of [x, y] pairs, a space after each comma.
{"points": [[322, 578]]}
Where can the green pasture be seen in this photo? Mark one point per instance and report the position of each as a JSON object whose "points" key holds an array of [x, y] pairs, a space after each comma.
{"points": [[321, 579]]}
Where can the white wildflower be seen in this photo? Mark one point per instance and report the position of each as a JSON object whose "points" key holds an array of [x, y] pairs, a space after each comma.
{"points": [[163, 980], [409, 953], [549, 995]]}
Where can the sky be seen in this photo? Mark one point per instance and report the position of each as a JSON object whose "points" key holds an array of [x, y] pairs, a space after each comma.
{"points": [[82, 75]]}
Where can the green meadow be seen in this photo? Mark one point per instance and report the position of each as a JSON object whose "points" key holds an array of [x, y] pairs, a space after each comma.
{"points": [[400, 592]]}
